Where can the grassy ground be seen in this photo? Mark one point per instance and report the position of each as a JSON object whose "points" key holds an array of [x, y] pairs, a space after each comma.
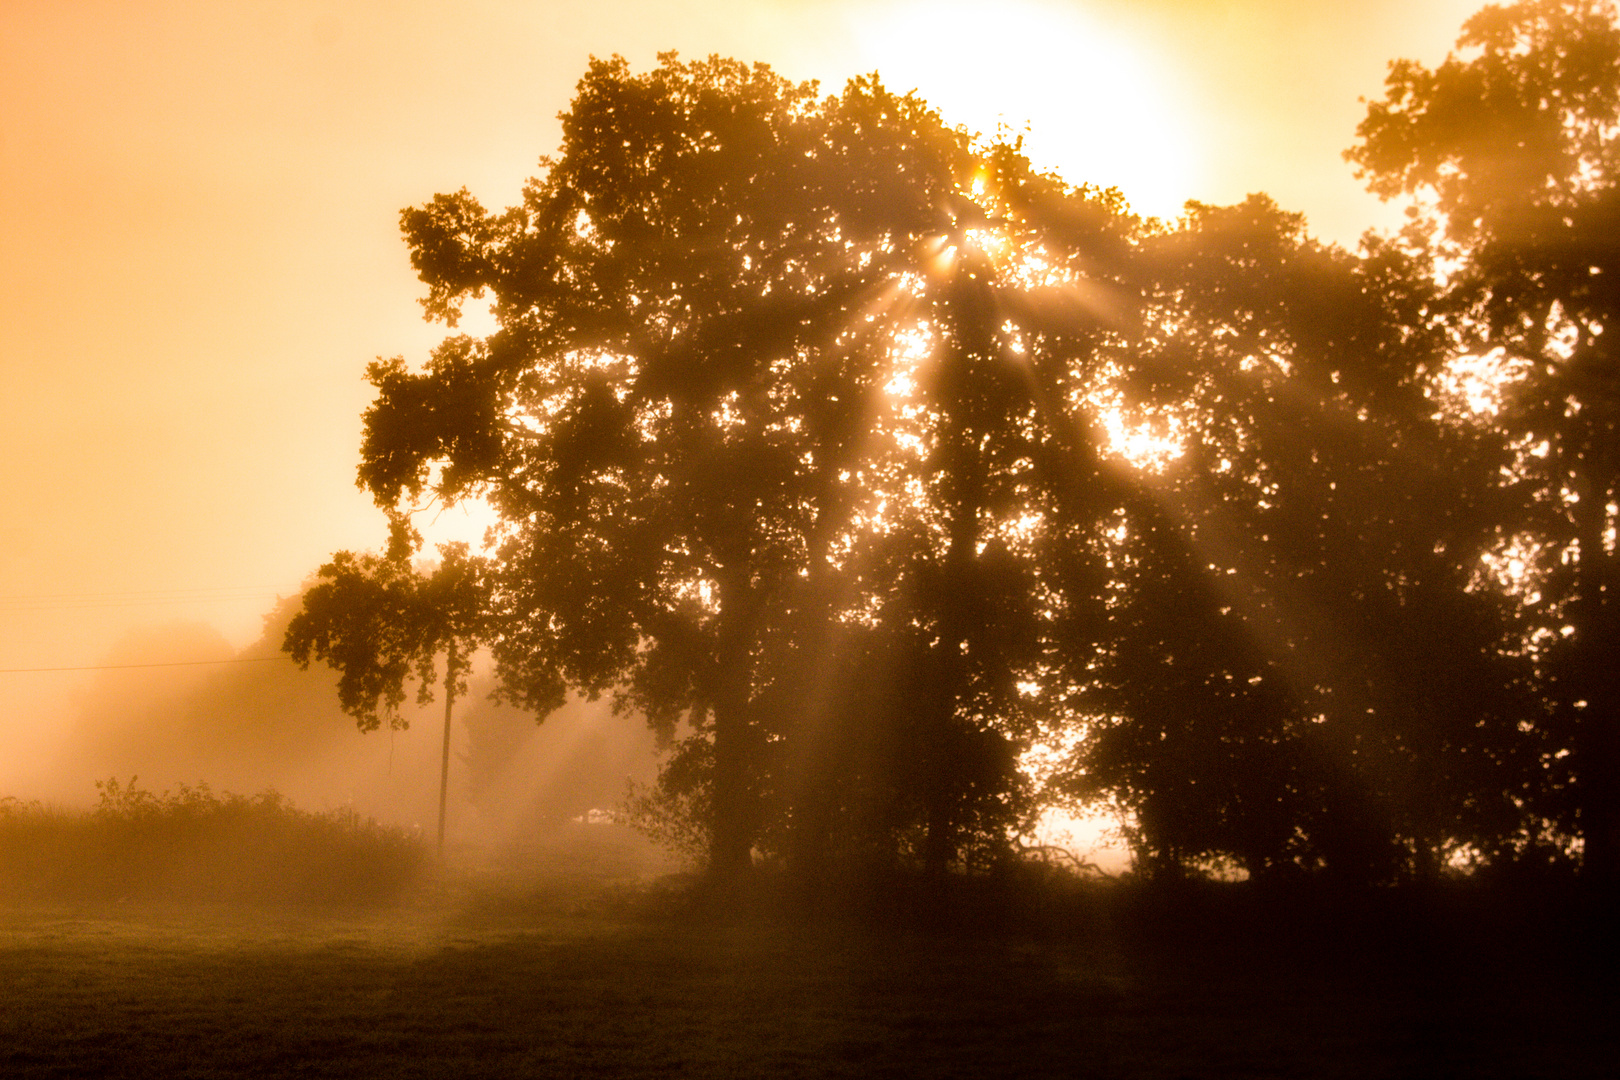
{"points": [[518, 976]]}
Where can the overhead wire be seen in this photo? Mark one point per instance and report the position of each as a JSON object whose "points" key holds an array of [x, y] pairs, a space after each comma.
{"points": [[75, 601], [164, 664]]}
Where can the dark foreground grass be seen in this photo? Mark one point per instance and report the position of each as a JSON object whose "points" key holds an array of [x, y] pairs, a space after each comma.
{"points": [[491, 979]]}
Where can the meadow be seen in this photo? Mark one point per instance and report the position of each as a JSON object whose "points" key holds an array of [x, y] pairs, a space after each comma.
{"points": [[577, 966]]}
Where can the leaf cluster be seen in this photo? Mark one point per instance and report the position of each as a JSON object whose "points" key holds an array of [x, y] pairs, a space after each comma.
{"points": [[378, 621]]}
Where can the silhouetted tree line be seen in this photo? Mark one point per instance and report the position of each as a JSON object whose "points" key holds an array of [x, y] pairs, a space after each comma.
{"points": [[808, 424]]}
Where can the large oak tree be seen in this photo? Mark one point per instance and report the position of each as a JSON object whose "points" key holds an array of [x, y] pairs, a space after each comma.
{"points": [[754, 345]]}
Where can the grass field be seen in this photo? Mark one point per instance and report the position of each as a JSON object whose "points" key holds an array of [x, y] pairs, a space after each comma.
{"points": [[518, 975]]}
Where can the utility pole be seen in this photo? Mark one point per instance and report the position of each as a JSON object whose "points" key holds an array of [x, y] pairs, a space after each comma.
{"points": [[444, 763]]}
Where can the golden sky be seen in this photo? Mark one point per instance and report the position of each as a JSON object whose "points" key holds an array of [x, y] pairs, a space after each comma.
{"points": [[199, 205]]}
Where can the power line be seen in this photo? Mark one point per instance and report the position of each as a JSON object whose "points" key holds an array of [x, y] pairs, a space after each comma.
{"points": [[135, 598], [125, 667]]}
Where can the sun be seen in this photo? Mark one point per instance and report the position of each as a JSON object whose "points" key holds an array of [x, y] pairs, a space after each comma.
{"points": [[1089, 105]]}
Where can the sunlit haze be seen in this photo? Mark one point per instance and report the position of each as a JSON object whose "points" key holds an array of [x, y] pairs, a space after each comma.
{"points": [[199, 205], [1089, 103], [824, 538]]}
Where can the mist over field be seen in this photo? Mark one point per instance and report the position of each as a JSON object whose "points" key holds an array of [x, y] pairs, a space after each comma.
{"points": [[1034, 539], [256, 722]]}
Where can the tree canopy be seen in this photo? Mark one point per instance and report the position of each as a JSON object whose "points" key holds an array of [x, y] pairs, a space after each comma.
{"points": [[377, 620], [868, 462], [1509, 150], [769, 390]]}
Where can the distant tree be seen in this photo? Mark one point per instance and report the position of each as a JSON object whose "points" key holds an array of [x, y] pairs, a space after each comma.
{"points": [[377, 621], [1508, 149]]}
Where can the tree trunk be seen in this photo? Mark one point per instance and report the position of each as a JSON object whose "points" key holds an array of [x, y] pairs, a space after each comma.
{"points": [[813, 784], [1597, 733], [949, 667], [731, 838]]}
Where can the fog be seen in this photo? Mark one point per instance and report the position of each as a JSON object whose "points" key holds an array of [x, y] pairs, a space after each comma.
{"points": [[203, 216], [248, 720]]}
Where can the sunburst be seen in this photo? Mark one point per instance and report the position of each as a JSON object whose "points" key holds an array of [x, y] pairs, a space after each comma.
{"points": [[1087, 103]]}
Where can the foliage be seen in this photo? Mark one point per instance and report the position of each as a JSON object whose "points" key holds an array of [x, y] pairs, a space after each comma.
{"points": [[700, 426], [378, 621], [677, 810], [1300, 672], [803, 424], [197, 845], [1510, 147], [375, 617]]}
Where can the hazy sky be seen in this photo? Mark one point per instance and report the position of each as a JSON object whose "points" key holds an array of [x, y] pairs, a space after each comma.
{"points": [[199, 228]]}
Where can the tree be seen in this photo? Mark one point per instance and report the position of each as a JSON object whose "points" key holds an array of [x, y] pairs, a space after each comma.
{"points": [[990, 589], [377, 621], [754, 409], [1299, 673], [1508, 149], [673, 452], [794, 424]]}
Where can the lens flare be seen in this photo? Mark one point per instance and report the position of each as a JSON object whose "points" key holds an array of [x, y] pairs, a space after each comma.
{"points": [[1085, 102]]}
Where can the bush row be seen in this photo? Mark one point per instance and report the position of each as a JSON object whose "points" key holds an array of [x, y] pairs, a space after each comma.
{"points": [[195, 844]]}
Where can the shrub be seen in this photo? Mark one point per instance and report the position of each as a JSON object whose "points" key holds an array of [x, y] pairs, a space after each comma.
{"points": [[196, 845]]}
